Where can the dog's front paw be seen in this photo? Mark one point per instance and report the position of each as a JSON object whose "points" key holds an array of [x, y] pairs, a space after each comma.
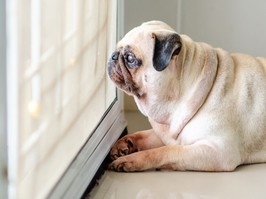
{"points": [[129, 163], [121, 164], [122, 147]]}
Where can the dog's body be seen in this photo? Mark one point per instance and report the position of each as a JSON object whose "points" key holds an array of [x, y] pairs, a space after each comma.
{"points": [[207, 107]]}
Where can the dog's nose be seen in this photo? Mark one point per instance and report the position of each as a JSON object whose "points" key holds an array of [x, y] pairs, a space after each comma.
{"points": [[115, 56]]}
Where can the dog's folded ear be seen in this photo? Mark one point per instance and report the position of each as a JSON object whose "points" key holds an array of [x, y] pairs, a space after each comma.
{"points": [[165, 47]]}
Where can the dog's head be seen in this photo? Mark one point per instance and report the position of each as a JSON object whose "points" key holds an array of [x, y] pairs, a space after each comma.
{"points": [[142, 56]]}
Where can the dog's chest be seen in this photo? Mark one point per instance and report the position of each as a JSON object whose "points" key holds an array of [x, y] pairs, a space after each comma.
{"points": [[200, 128], [193, 132], [158, 112]]}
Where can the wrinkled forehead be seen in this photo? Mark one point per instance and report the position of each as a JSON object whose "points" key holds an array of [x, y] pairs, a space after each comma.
{"points": [[143, 33]]}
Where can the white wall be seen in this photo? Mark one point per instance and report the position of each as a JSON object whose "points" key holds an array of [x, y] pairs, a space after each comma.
{"points": [[138, 11], [235, 25]]}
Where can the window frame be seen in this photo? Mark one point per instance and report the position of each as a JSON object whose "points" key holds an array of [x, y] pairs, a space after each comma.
{"points": [[3, 111]]}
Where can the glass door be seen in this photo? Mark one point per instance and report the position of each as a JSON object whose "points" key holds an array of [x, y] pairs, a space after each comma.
{"points": [[61, 104]]}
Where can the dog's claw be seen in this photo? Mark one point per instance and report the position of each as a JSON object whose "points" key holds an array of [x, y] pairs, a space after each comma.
{"points": [[122, 147], [120, 165], [123, 152]]}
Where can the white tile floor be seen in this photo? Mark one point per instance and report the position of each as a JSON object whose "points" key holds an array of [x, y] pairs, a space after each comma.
{"points": [[246, 182]]}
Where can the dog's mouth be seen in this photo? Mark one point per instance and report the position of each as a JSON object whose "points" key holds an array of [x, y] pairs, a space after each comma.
{"points": [[115, 73], [121, 76]]}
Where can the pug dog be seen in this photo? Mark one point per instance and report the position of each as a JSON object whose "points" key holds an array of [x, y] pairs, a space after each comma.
{"points": [[207, 107]]}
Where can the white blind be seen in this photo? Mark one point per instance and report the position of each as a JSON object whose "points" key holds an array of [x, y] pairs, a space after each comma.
{"points": [[63, 89]]}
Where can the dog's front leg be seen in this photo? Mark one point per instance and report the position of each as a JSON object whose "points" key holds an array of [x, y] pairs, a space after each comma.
{"points": [[199, 157], [135, 142]]}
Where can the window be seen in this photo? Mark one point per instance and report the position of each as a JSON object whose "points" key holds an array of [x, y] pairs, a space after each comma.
{"points": [[58, 91]]}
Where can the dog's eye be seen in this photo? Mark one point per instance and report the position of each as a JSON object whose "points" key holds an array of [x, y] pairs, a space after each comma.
{"points": [[115, 56], [131, 60]]}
